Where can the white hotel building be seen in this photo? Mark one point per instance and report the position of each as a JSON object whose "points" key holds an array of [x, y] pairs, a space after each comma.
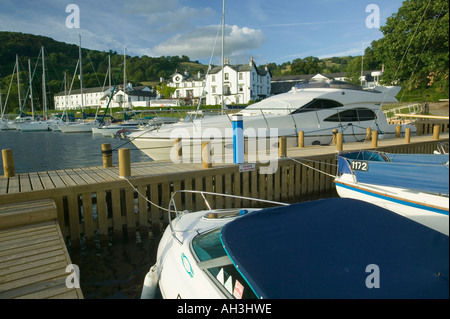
{"points": [[138, 96], [241, 83]]}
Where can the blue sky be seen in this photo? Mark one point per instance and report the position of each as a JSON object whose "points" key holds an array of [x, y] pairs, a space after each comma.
{"points": [[268, 30]]}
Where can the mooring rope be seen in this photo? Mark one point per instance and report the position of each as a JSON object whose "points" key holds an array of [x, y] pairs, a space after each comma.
{"points": [[313, 168]]}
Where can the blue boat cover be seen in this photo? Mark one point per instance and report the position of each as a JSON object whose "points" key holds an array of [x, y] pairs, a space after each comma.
{"points": [[420, 172], [337, 248]]}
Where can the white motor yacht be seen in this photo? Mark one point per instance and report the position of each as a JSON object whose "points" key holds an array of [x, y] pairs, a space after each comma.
{"points": [[316, 108]]}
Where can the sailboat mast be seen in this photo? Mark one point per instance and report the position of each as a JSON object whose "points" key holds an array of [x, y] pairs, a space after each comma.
{"points": [[223, 58], [31, 89], [18, 80], [81, 75], [44, 90]]}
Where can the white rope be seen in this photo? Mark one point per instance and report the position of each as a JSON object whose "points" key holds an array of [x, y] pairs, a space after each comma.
{"points": [[309, 166], [145, 197]]}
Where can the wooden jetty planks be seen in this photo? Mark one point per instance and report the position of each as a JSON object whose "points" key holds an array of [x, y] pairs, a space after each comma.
{"points": [[33, 261], [116, 206]]}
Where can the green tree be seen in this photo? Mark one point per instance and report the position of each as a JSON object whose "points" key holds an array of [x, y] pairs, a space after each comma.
{"points": [[415, 46]]}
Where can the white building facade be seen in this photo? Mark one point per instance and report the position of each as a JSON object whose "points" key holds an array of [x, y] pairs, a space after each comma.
{"points": [[139, 96], [241, 84]]}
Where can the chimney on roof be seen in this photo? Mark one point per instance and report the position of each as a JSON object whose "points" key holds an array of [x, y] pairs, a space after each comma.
{"points": [[251, 62]]}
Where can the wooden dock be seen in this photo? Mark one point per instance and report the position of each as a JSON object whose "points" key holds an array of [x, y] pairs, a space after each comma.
{"points": [[95, 204], [42, 212], [33, 254]]}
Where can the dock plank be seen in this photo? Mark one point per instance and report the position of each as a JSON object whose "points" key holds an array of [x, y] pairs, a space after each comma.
{"points": [[25, 184], [56, 179], [46, 180], [36, 183], [33, 261], [3, 185], [66, 178]]}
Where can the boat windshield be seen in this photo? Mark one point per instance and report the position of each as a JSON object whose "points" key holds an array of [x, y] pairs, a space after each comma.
{"points": [[213, 259], [334, 84]]}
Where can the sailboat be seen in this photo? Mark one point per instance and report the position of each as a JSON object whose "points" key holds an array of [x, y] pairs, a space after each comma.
{"points": [[4, 123], [31, 124], [81, 126]]}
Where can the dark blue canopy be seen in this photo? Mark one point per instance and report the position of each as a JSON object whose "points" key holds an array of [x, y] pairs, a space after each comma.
{"points": [[337, 248]]}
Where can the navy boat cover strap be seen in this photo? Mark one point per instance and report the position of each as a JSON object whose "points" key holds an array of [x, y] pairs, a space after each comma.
{"points": [[337, 248]]}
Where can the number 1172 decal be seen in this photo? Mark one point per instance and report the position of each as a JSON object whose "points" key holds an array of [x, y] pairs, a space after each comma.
{"points": [[360, 166]]}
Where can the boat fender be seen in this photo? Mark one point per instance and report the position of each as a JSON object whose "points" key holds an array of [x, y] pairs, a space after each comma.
{"points": [[150, 284]]}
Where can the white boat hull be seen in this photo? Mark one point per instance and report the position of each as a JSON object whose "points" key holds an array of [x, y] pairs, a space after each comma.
{"points": [[76, 128], [427, 209], [33, 126]]}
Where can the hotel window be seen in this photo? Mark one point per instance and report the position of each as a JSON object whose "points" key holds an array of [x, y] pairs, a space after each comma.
{"points": [[241, 77], [227, 76], [213, 79], [213, 89]]}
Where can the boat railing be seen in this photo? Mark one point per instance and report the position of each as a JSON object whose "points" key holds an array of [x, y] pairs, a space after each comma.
{"points": [[226, 213]]}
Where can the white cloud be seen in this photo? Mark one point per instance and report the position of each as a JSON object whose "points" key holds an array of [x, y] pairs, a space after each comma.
{"points": [[199, 43]]}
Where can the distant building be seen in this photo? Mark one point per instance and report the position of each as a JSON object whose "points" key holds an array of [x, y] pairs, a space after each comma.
{"points": [[241, 83], [138, 96]]}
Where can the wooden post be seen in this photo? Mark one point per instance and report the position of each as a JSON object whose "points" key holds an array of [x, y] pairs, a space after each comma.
{"points": [[282, 146], [407, 135], [398, 131], [436, 131], [339, 142], [206, 155], [368, 133], [177, 150], [301, 139], [124, 163], [335, 131], [9, 169], [375, 138], [107, 155]]}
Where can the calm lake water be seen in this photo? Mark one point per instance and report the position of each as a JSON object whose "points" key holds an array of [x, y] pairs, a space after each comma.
{"points": [[41, 151], [113, 272]]}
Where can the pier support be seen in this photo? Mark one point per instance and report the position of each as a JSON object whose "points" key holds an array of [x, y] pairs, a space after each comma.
{"points": [[334, 139], [301, 139], [282, 146], [107, 155], [206, 155], [124, 163], [368, 133], [339, 142], [375, 138], [436, 131], [407, 135], [398, 131], [8, 163], [177, 155]]}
